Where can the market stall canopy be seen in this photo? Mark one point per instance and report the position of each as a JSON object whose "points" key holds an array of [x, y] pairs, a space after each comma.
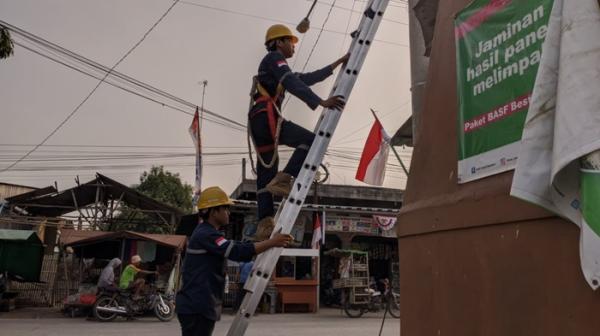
{"points": [[21, 254], [74, 238]]}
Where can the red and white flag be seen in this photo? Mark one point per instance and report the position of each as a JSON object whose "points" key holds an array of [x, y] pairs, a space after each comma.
{"points": [[317, 231], [195, 133], [371, 168]]}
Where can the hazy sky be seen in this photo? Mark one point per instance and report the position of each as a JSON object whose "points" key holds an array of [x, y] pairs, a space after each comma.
{"points": [[120, 134]]}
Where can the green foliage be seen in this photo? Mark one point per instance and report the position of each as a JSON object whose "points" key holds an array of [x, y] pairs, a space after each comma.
{"points": [[162, 186], [167, 188], [6, 44]]}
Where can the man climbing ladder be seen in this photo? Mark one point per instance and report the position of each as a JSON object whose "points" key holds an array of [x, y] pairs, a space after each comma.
{"points": [[268, 128], [289, 209]]}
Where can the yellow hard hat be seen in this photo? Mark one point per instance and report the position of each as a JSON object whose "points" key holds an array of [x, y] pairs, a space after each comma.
{"points": [[279, 30], [213, 197]]}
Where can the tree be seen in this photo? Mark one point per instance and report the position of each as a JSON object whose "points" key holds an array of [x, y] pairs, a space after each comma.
{"points": [[162, 186], [6, 43], [166, 187]]}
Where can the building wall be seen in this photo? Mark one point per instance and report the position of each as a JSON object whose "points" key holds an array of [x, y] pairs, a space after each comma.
{"points": [[9, 190], [473, 260]]}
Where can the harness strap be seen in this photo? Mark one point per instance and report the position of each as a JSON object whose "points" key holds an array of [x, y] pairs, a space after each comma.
{"points": [[265, 148], [274, 121]]}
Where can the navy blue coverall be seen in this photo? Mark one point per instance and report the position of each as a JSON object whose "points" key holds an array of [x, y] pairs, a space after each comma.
{"points": [[273, 69], [199, 301]]}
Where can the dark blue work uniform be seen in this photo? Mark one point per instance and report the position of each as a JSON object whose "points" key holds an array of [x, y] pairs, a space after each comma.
{"points": [[273, 69], [200, 298]]}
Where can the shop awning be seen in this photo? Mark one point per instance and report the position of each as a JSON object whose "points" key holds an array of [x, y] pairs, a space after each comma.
{"points": [[79, 237]]}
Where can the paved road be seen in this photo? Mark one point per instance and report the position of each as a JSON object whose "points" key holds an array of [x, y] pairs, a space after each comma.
{"points": [[326, 322]]}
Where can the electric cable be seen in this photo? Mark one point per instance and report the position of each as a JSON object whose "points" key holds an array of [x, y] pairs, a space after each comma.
{"points": [[91, 92]]}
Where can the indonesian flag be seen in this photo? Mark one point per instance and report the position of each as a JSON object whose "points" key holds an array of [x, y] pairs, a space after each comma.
{"points": [[317, 231], [195, 133], [371, 168]]}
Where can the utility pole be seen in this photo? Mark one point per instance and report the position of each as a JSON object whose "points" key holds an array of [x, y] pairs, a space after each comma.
{"points": [[204, 84]]}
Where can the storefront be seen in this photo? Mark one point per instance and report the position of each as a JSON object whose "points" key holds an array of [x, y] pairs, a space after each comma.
{"points": [[351, 217], [362, 231]]}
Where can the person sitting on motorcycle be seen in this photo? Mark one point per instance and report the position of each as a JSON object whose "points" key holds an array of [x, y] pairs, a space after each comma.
{"points": [[107, 277], [128, 278], [384, 285]]}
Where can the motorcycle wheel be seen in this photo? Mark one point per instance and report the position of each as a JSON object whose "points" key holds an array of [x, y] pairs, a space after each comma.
{"points": [[165, 312], [393, 307], [351, 310], [107, 302]]}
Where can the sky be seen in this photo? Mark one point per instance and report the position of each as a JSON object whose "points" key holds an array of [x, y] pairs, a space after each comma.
{"points": [[120, 134]]}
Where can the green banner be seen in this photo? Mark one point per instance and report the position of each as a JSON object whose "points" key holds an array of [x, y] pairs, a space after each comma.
{"points": [[590, 197], [498, 46]]}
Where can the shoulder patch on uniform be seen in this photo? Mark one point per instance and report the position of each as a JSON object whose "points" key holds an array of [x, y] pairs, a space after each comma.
{"points": [[220, 241], [281, 63]]}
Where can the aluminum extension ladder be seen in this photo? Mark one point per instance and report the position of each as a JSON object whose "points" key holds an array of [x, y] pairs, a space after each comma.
{"points": [[288, 211]]}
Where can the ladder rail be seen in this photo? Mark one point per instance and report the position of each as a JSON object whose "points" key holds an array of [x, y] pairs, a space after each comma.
{"points": [[290, 207]]}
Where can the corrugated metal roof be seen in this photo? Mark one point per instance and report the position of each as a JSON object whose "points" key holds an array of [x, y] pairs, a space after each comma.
{"points": [[55, 204]]}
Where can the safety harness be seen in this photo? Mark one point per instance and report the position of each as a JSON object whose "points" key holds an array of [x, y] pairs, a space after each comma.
{"points": [[274, 117]]}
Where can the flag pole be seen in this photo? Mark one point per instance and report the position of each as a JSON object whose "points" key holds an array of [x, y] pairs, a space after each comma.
{"points": [[392, 147], [198, 142], [399, 160], [204, 83]]}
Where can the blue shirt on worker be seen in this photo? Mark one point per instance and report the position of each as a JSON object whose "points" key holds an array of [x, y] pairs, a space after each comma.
{"points": [[245, 270], [204, 271], [274, 69]]}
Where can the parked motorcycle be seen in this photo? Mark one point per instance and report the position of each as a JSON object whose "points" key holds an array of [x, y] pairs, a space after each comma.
{"points": [[377, 301], [117, 302]]}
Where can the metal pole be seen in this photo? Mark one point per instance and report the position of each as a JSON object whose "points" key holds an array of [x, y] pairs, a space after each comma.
{"points": [[419, 65], [204, 83], [316, 261], [399, 160]]}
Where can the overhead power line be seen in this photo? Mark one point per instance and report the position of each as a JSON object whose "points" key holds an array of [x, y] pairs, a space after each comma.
{"points": [[87, 97], [225, 121], [277, 20], [318, 36], [355, 11], [79, 63]]}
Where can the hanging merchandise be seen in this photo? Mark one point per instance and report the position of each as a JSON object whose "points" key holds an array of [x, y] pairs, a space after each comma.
{"points": [[344, 267]]}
